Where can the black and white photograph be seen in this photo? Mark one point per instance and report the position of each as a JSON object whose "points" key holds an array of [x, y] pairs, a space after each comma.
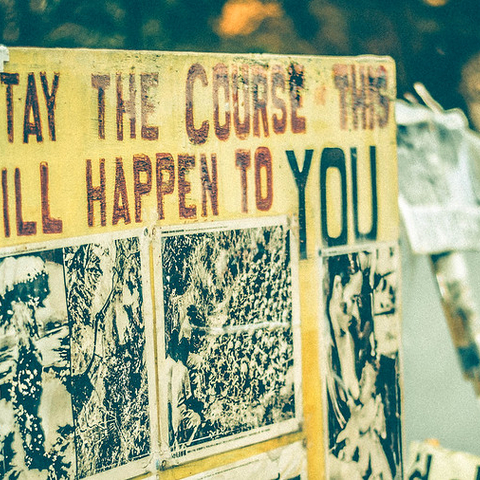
{"points": [[231, 368], [73, 377], [361, 338]]}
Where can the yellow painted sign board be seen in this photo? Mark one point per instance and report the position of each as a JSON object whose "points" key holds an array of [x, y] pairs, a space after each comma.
{"points": [[199, 198]]}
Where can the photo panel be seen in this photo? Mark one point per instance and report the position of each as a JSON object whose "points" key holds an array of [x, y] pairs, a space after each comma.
{"points": [[361, 364], [74, 385], [229, 353]]}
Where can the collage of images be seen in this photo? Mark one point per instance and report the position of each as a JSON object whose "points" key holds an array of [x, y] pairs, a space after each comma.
{"points": [[98, 375]]}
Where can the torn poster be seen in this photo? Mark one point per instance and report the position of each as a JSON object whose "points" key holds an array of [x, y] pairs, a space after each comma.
{"points": [[284, 463]]}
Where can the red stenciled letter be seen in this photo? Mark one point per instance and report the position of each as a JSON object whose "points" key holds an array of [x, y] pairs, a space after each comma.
{"points": [[141, 164], [220, 80], [50, 101], [23, 228], [9, 79], [185, 163], [147, 80], [120, 210], [49, 224], [340, 78], [297, 80], [101, 82], [209, 184], [263, 160], [278, 82], [260, 98], [31, 105], [6, 216], [242, 129], [164, 164], [195, 135], [96, 194], [242, 161]]}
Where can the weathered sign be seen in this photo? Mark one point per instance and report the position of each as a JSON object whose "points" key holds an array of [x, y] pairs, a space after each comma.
{"points": [[169, 223]]}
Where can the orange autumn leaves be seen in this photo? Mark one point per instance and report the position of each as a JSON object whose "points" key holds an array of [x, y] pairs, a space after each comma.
{"points": [[243, 17]]}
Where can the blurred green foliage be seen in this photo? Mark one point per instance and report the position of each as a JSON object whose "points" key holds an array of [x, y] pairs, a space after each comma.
{"points": [[429, 43]]}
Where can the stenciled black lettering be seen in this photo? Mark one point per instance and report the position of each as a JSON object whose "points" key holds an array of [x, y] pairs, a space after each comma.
{"points": [[333, 158], [301, 177], [372, 233]]}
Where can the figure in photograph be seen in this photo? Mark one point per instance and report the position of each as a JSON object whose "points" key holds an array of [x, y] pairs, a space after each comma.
{"points": [[362, 381], [109, 378], [183, 419], [34, 366], [365, 430]]}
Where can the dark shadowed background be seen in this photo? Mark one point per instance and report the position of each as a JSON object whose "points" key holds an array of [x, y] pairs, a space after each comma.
{"points": [[430, 40]]}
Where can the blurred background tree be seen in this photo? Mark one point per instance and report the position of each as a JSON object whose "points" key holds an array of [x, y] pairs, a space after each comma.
{"points": [[431, 40]]}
